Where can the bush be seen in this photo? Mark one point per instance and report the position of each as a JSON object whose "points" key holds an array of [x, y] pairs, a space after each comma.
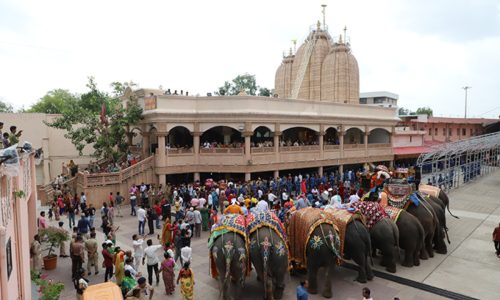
{"points": [[54, 236], [47, 289]]}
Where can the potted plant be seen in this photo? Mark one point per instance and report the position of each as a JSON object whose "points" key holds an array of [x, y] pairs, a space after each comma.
{"points": [[54, 236], [47, 289]]}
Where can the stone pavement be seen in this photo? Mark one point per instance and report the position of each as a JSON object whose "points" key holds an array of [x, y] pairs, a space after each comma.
{"points": [[470, 267]]}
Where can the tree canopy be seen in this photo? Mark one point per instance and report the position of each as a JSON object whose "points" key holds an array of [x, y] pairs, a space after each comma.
{"points": [[100, 119], [54, 102], [6, 107], [245, 82], [424, 111]]}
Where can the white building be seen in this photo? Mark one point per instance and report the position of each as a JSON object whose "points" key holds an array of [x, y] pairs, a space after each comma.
{"points": [[382, 99]]}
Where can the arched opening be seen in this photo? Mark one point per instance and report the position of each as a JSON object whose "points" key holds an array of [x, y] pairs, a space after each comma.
{"points": [[379, 136], [353, 136], [221, 137], [262, 137], [153, 140], [299, 136], [179, 137], [331, 137]]}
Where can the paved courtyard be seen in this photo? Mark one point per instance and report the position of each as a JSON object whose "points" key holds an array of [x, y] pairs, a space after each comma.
{"points": [[470, 267]]}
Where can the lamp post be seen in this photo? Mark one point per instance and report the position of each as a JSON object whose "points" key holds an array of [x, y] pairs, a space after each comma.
{"points": [[466, 88]]}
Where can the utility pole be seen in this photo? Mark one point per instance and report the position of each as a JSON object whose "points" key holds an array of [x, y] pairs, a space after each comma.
{"points": [[466, 88]]}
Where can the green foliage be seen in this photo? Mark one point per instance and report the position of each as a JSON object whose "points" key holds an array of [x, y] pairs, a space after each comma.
{"points": [[84, 124], [48, 289], [54, 102], [424, 111], [403, 111], [245, 82], [54, 236], [6, 107]]}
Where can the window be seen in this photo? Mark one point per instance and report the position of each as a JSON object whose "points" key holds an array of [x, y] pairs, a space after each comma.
{"points": [[444, 131], [435, 131], [464, 133], [362, 101], [430, 131], [378, 100]]}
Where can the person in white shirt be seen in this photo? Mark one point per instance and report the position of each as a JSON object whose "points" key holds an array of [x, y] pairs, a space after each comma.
{"points": [[130, 267], [336, 201], [271, 197], [284, 196], [262, 205], [186, 255], [141, 217], [354, 197], [138, 250], [152, 261], [260, 193]]}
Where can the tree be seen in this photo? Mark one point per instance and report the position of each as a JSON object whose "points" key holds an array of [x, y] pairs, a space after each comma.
{"points": [[263, 91], [245, 82], [6, 107], [101, 120], [424, 111], [54, 102], [403, 111]]}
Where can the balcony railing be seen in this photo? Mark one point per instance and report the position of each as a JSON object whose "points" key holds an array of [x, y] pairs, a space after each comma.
{"points": [[379, 145], [222, 150], [176, 151], [299, 148], [354, 146], [331, 147], [261, 149]]}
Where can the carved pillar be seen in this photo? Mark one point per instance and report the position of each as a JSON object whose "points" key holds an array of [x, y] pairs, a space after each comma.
{"points": [[196, 145], [161, 151], [248, 176], [321, 136], [341, 142], [320, 171], [145, 145], [365, 140], [277, 135], [247, 135], [196, 176], [276, 174]]}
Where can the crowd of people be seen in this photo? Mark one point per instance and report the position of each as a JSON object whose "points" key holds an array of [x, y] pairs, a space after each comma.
{"points": [[10, 138]]}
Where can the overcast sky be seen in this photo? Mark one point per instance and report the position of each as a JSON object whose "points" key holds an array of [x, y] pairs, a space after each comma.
{"points": [[423, 50]]}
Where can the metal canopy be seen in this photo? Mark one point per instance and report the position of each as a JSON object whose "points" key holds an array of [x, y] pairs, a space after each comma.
{"points": [[469, 158]]}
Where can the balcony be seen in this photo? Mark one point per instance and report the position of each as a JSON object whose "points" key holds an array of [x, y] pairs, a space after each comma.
{"points": [[299, 148], [257, 150], [179, 151], [216, 151]]}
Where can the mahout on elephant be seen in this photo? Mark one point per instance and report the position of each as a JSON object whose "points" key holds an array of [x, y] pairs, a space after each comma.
{"points": [[268, 251], [228, 255], [314, 244], [355, 242]]}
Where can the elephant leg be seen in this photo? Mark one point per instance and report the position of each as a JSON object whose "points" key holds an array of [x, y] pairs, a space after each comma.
{"points": [[428, 244], [369, 271], [361, 261], [416, 258], [312, 277], [327, 291], [408, 261]]}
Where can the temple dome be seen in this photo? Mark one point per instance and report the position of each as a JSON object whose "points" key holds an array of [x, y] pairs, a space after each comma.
{"points": [[340, 75], [283, 77]]}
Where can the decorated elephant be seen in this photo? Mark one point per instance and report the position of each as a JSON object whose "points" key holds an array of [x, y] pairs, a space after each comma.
{"points": [[411, 235], [384, 233], [355, 241], [228, 255], [437, 193], [425, 214], [314, 243], [268, 251], [441, 230]]}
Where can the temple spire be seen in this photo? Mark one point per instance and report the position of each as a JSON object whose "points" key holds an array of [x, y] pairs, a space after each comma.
{"points": [[324, 15]]}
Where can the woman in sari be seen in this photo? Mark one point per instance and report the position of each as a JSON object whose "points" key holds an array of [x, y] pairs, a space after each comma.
{"points": [[119, 265], [205, 216], [167, 271], [186, 279], [166, 233]]}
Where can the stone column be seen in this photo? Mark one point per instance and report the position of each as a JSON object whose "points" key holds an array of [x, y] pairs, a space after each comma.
{"points": [[341, 170], [247, 135], [196, 145], [196, 176], [321, 136], [365, 141], [320, 171], [46, 167], [248, 176], [161, 151], [276, 174], [145, 145], [341, 142], [277, 135], [162, 179]]}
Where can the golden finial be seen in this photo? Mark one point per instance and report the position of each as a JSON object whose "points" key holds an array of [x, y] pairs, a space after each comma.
{"points": [[340, 39]]}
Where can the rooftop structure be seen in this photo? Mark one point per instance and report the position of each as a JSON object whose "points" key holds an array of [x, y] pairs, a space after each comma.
{"points": [[383, 99]]}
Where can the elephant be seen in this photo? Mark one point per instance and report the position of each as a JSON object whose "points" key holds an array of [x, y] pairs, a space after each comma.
{"points": [[441, 229], [356, 241], [231, 259], [383, 232], [321, 252], [411, 237], [428, 219], [269, 256], [357, 246], [314, 244], [385, 237]]}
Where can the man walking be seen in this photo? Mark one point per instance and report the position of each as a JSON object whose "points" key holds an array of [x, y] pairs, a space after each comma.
{"points": [[119, 202], [496, 239], [152, 261], [83, 226], [302, 290], [138, 250], [92, 257], [141, 217], [77, 255], [197, 222]]}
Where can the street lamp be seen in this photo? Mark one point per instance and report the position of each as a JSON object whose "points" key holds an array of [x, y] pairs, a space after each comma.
{"points": [[466, 88]]}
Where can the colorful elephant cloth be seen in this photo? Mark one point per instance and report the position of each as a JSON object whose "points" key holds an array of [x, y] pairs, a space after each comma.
{"points": [[302, 224], [229, 224], [372, 211], [256, 220], [341, 218], [429, 190], [393, 212]]}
